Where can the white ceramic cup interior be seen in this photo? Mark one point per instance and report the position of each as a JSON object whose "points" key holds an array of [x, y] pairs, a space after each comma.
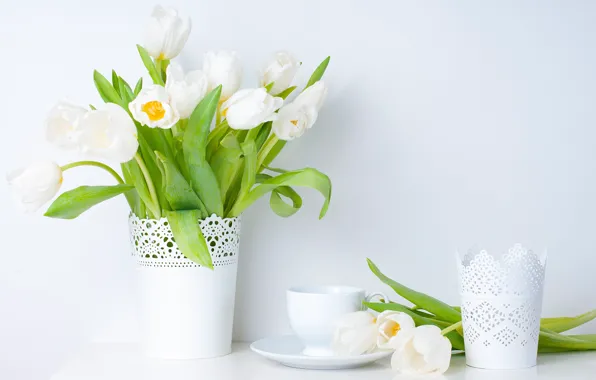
{"points": [[313, 312]]}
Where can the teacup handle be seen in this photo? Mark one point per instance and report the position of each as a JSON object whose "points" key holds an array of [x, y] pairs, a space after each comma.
{"points": [[371, 296]]}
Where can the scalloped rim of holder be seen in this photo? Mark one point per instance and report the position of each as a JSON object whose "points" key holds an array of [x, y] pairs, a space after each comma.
{"points": [[518, 272], [153, 244]]}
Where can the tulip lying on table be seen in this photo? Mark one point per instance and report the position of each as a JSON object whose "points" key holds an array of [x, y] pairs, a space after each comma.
{"points": [[428, 310]]}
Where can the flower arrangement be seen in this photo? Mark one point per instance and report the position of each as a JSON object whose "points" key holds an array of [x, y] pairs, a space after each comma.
{"points": [[423, 335], [190, 144]]}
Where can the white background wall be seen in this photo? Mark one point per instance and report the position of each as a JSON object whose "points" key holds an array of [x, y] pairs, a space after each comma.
{"points": [[447, 124]]}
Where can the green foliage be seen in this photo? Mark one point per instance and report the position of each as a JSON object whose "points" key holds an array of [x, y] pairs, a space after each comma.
{"points": [[307, 177], [73, 203], [318, 73], [202, 178], [150, 66], [105, 89], [285, 93], [192, 171], [421, 300], [188, 236]]}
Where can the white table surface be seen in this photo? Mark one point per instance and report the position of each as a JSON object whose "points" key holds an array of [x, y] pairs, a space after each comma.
{"points": [[124, 361]]}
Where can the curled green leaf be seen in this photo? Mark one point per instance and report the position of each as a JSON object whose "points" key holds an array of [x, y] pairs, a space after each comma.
{"points": [[423, 301]]}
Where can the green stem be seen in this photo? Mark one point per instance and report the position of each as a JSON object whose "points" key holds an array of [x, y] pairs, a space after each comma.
{"points": [[156, 209], [451, 328], [271, 141], [96, 164]]}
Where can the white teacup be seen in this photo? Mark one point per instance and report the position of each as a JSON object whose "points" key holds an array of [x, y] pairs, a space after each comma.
{"points": [[314, 311]]}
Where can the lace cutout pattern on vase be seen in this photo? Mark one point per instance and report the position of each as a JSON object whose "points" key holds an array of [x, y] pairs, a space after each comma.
{"points": [[153, 243], [519, 272], [501, 304]]}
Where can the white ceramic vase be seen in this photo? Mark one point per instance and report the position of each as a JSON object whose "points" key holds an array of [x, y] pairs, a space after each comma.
{"points": [[501, 298], [187, 311]]}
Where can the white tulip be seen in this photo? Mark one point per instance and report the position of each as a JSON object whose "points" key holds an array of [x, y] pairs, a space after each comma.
{"points": [[248, 108], [62, 124], [35, 185], [356, 334], [391, 324], [108, 133], [421, 350], [223, 68], [293, 120], [186, 91], [166, 33], [153, 108], [281, 70], [313, 96]]}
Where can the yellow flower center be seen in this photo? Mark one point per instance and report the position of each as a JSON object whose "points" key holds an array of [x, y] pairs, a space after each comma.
{"points": [[295, 122], [154, 110], [161, 57], [374, 320], [395, 329]]}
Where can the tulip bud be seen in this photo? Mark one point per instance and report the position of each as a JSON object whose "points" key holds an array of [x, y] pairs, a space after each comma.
{"points": [[35, 185], [248, 108], [423, 350], [293, 120], [186, 91], [280, 71], [109, 133], [313, 96], [166, 33], [62, 123], [223, 68], [355, 334]]}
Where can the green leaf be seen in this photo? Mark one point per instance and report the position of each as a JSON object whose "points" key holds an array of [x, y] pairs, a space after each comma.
{"points": [[73, 203], [125, 91], [454, 337], [274, 152], [285, 93], [177, 191], [138, 180], [276, 202], [189, 237], [131, 196], [269, 86], [92, 107], [280, 207], [202, 178], [105, 89], [226, 162], [115, 82], [276, 170], [150, 66], [428, 303], [215, 136], [138, 86], [249, 150], [551, 339], [307, 177], [318, 73], [567, 323], [264, 132]]}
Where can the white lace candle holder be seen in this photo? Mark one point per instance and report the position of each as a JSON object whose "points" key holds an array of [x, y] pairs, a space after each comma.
{"points": [[501, 306]]}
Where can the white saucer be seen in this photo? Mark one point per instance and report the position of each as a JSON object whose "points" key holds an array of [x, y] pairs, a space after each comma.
{"points": [[287, 350]]}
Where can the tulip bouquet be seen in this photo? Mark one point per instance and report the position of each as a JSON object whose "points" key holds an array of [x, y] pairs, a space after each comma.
{"points": [[423, 335], [190, 144]]}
